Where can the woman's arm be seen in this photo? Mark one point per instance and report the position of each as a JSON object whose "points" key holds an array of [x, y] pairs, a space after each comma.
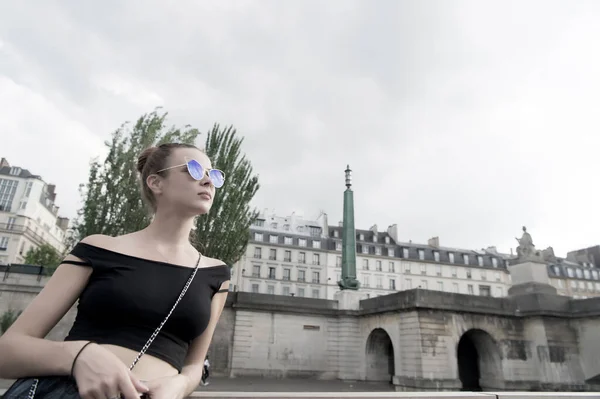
{"points": [[23, 349], [194, 362]]}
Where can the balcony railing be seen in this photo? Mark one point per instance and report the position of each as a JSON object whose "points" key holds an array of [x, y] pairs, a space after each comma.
{"points": [[29, 233]]}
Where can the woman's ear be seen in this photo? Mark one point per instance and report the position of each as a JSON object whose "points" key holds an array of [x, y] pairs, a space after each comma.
{"points": [[154, 183]]}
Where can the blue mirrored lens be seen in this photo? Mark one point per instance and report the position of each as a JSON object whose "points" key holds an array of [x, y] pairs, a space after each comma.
{"points": [[216, 176], [196, 170]]}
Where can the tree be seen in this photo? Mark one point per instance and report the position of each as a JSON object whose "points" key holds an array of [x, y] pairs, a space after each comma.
{"points": [[224, 232], [45, 255], [7, 319], [112, 204]]}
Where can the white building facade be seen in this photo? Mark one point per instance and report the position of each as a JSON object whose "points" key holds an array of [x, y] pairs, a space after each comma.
{"points": [[28, 214], [293, 256]]}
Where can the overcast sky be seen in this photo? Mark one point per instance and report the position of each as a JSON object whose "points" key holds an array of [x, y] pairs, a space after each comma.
{"points": [[461, 119]]}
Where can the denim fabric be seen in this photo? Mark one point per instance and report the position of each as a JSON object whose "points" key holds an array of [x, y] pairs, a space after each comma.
{"points": [[47, 388]]}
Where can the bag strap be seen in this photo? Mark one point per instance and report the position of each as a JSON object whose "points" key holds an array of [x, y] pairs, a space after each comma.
{"points": [[155, 333]]}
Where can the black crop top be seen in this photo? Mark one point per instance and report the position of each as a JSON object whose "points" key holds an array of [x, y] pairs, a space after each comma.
{"points": [[128, 297]]}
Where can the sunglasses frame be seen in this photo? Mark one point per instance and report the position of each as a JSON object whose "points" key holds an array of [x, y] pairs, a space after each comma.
{"points": [[206, 170]]}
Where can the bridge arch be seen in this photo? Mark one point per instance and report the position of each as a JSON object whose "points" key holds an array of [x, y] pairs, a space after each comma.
{"points": [[479, 361], [379, 356]]}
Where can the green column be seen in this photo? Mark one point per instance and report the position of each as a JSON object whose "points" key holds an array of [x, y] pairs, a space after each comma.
{"points": [[349, 281]]}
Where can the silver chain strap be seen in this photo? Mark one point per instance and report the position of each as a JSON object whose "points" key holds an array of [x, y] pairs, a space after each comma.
{"points": [[33, 388]]}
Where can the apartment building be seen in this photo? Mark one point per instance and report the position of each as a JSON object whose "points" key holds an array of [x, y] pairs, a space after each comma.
{"points": [[28, 214], [293, 256]]}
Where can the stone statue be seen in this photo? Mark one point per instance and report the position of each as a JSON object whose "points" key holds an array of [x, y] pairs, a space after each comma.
{"points": [[526, 250]]}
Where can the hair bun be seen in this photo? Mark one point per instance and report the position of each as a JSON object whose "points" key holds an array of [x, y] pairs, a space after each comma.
{"points": [[143, 158]]}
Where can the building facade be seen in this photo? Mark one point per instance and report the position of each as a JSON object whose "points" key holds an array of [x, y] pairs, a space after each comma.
{"points": [[28, 214], [298, 257]]}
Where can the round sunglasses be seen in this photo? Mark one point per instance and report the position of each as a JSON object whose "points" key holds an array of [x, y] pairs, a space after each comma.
{"points": [[216, 176]]}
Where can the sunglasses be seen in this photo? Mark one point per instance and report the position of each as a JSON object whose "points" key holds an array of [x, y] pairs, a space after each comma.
{"points": [[216, 176]]}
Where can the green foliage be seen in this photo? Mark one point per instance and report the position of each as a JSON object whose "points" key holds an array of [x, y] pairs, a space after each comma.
{"points": [[7, 319], [44, 255], [112, 203], [224, 232]]}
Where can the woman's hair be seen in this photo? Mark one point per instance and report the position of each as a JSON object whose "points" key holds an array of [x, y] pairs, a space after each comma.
{"points": [[150, 161]]}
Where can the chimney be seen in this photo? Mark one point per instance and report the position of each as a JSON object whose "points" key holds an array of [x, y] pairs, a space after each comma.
{"points": [[62, 223], [341, 223], [374, 228], [434, 242], [51, 192], [4, 162], [393, 232]]}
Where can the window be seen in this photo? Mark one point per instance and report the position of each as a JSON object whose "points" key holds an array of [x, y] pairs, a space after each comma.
{"points": [[286, 291], [365, 264], [494, 262], [301, 292], [258, 237], [423, 269], [440, 286], [377, 250], [595, 274], [255, 271], [271, 289], [421, 254], [424, 284], [336, 234], [314, 231], [451, 257], [361, 237], [316, 259], [484, 275], [255, 288], [286, 227], [365, 249], [405, 253], [316, 277], [387, 239], [274, 225], [28, 189], [573, 284], [259, 223], [316, 244], [455, 288], [408, 284], [570, 272], [480, 260], [287, 274], [484, 290], [302, 242], [301, 257], [392, 284], [273, 239], [11, 223], [379, 282], [288, 240], [469, 274], [470, 289], [454, 272], [499, 292], [497, 276], [560, 283], [466, 259], [3, 243], [436, 256], [258, 252], [272, 273], [22, 248], [407, 268], [438, 270], [378, 265], [272, 254], [586, 273], [392, 268], [366, 282], [8, 188], [338, 261], [287, 257], [338, 245], [301, 275], [579, 273], [315, 294], [391, 252]]}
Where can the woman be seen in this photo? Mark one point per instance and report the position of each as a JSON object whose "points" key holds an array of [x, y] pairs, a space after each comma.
{"points": [[126, 287]]}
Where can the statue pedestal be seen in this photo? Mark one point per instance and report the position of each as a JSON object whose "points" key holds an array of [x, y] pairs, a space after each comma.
{"points": [[530, 278], [349, 299]]}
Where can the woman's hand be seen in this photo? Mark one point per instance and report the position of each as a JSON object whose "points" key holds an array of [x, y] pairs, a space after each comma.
{"points": [[101, 374], [173, 387]]}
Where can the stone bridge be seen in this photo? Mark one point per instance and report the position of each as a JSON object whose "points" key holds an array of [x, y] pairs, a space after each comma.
{"points": [[416, 340]]}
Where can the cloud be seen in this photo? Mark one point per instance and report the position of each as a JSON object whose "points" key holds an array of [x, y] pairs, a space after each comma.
{"points": [[460, 119]]}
